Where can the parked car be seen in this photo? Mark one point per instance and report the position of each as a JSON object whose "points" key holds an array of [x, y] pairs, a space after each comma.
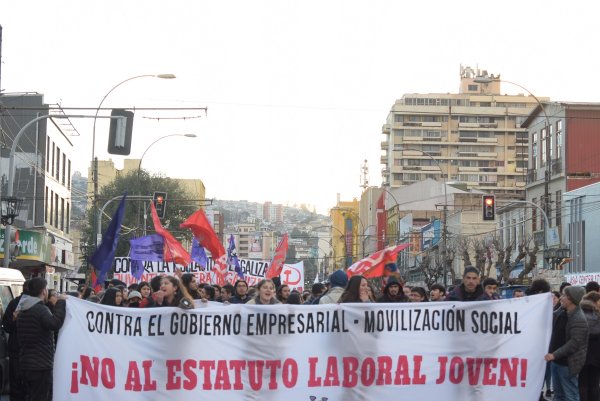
{"points": [[507, 291]]}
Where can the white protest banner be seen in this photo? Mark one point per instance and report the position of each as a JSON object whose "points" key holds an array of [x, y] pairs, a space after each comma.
{"points": [[293, 276], [443, 351], [254, 270]]}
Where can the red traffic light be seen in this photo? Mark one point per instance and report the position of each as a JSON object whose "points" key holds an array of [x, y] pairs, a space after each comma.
{"points": [[489, 209]]}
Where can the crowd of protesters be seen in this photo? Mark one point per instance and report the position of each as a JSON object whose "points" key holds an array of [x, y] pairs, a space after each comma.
{"points": [[34, 318]]}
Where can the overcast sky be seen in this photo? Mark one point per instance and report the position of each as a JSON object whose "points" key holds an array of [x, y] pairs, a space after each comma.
{"points": [[297, 91]]}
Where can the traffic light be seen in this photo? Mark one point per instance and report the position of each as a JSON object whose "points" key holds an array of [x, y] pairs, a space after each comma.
{"points": [[160, 203], [489, 207], [119, 137]]}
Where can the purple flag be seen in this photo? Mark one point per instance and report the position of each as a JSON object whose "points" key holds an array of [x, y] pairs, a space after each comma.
{"points": [[148, 248], [198, 253], [232, 258]]}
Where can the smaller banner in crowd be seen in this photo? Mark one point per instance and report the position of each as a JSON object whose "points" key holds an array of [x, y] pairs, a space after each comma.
{"points": [[582, 278], [443, 351], [293, 276], [254, 270]]}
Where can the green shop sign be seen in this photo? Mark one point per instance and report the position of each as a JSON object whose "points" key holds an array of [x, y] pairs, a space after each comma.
{"points": [[28, 245]]}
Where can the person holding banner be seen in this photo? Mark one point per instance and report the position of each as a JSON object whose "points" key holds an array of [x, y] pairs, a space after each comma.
{"points": [[144, 289], [469, 290], [241, 293], [357, 290], [191, 285], [112, 297], [175, 294], [266, 294], [283, 293]]}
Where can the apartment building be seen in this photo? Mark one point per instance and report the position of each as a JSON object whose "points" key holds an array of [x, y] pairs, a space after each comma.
{"points": [[473, 137], [40, 239], [563, 158], [107, 173]]}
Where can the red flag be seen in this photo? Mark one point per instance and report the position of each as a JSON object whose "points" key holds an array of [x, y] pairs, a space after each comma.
{"points": [[278, 258], [207, 237], [373, 266], [172, 251]]}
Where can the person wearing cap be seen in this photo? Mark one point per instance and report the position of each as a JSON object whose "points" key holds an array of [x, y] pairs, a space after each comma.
{"points": [[134, 299], [392, 292], [337, 281], [469, 290], [568, 345]]}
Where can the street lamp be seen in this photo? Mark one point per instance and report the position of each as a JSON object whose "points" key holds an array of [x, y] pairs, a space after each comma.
{"points": [[159, 139], [547, 174], [140, 166], [10, 208], [445, 209], [94, 160]]}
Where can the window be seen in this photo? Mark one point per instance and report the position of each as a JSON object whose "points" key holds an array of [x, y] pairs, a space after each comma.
{"points": [[47, 204], [62, 214], [544, 139], [558, 207], [64, 169], [51, 222], [47, 153], [68, 219], [53, 153], [534, 224], [55, 210], [473, 87], [69, 176], [57, 176]]}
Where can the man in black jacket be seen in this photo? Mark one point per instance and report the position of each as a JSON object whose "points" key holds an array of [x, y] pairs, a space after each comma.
{"points": [[9, 323], [36, 326]]}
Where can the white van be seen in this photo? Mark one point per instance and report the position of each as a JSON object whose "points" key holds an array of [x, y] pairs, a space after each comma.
{"points": [[11, 286]]}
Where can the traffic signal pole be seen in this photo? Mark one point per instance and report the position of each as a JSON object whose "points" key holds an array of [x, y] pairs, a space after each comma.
{"points": [[101, 212]]}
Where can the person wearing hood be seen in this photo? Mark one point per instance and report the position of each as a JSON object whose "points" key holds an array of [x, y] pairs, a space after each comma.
{"points": [[393, 292], [337, 282], [36, 326]]}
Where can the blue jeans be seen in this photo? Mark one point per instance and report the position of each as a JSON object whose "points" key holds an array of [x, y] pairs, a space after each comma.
{"points": [[566, 387]]}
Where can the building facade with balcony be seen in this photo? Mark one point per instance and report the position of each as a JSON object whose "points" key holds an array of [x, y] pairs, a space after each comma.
{"points": [[472, 137]]}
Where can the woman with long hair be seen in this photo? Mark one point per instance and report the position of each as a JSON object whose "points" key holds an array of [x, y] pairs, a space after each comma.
{"points": [[191, 285], [266, 294], [175, 294], [357, 290], [144, 289], [112, 297]]}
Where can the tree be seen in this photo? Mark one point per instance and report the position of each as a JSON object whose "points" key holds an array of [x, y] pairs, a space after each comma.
{"points": [[180, 205]]}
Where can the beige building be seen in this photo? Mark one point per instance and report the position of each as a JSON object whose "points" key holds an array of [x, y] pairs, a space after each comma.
{"points": [[107, 172], [473, 137]]}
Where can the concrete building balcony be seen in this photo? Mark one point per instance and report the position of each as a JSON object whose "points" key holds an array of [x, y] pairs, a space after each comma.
{"points": [[385, 145], [431, 124], [384, 159], [385, 128], [487, 140]]}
